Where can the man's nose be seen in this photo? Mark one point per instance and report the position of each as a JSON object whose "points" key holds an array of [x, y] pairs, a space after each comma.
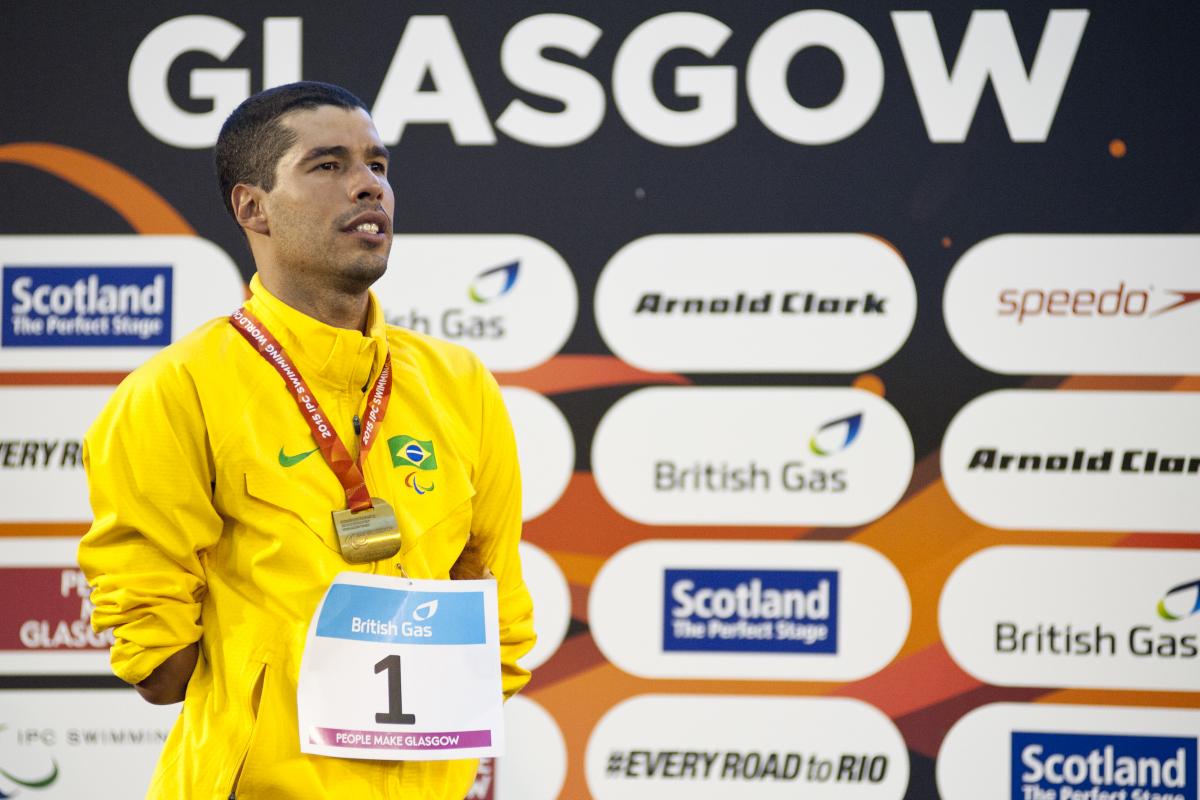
{"points": [[367, 184]]}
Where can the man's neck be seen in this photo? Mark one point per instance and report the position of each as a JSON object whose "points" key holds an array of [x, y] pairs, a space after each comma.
{"points": [[339, 309]]}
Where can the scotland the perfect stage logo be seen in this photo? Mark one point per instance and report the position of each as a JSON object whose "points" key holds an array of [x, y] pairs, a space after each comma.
{"points": [[759, 611], [1078, 766], [86, 306]]}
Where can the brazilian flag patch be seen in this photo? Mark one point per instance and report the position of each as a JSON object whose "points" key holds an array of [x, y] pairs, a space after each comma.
{"points": [[410, 452]]}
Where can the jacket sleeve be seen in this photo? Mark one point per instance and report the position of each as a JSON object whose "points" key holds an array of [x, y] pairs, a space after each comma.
{"points": [[150, 475], [496, 520]]}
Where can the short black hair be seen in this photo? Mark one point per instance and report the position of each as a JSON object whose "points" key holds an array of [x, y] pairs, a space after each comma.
{"points": [[253, 140]]}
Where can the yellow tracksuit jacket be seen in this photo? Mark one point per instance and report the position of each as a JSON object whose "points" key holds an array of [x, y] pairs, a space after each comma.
{"points": [[210, 526]]}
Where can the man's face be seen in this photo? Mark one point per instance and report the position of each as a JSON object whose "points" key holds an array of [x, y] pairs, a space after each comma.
{"points": [[330, 211]]}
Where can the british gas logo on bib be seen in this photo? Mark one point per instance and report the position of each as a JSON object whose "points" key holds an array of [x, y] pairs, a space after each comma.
{"points": [[756, 302], [764, 611], [86, 306], [511, 299]]}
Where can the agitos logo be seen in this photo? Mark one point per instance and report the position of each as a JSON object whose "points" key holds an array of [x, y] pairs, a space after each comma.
{"points": [[1180, 602], [25, 783]]}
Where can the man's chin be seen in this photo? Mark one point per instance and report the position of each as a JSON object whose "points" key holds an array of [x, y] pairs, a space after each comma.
{"points": [[364, 271]]}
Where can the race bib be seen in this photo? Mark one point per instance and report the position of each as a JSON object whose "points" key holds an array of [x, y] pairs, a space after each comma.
{"points": [[402, 670]]}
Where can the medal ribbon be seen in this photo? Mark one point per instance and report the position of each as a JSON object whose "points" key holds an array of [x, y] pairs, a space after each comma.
{"points": [[348, 471]]}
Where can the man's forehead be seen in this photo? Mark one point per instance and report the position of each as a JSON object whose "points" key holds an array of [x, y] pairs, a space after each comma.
{"points": [[331, 126]]}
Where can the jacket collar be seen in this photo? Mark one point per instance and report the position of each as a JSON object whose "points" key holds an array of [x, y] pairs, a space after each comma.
{"points": [[336, 357]]}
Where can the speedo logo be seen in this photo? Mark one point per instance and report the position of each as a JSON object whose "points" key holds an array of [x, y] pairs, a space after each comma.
{"points": [[792, 302], [1076, 304], [1119, 302], [1180, 602]]}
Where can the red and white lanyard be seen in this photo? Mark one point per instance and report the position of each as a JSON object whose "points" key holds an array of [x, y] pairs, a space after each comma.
{"points": [[347, 470]]}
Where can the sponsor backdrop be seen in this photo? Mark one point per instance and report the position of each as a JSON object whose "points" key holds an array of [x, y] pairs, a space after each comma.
{"points": [[851, 352]]}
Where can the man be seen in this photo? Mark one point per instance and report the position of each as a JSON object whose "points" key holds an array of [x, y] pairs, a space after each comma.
{"points": [[213, 478]]}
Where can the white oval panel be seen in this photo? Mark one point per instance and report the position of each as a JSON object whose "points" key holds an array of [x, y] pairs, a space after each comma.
{"points": [[106, 303], [1104, 618], [752, 456], [1015, 751], [534, 766], [101, 743], [1029, 459], [509, 298], [746, 610], [545, 449], [41, 451], [735, 302], [45, 611], [691, 747], [551, 603], [1069, 304]]}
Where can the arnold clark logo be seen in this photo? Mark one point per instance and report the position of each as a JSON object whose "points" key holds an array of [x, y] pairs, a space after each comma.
{"points": [[1064, 304], [756, 302], [509, 298], [709, 609], [828, 456], [1103, 618], [1077, 460], [1043, 751], [663, 747], [106, 302], [763, 611]]}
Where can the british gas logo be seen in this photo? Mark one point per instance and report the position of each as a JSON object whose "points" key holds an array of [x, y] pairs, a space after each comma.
{"points": [[1180, 602], [518, 307], [834, 437], [1067, 304], [1084, 617], [811, 456], [494, 283]]}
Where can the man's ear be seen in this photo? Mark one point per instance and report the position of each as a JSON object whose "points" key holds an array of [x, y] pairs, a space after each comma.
{"points": [[248, 208]]}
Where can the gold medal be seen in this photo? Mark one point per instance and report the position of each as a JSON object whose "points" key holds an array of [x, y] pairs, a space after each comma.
{"points": [[368, 535]]}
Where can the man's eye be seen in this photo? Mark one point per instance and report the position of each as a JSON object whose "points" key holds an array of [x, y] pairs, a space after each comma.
{"points": [[328, 166], [380, 168]]}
